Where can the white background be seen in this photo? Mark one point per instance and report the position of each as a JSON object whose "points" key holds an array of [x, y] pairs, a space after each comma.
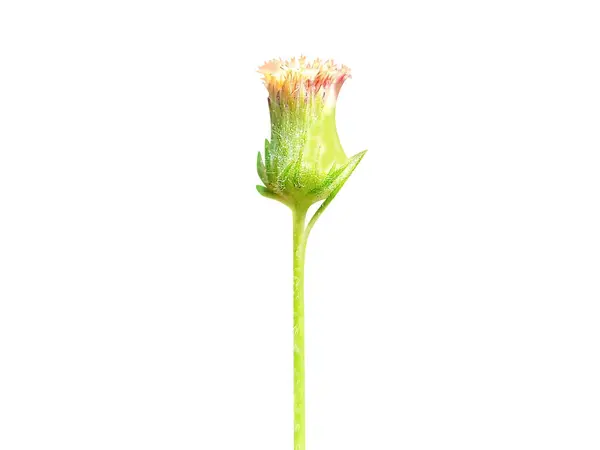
{"points": [[453, 287]]}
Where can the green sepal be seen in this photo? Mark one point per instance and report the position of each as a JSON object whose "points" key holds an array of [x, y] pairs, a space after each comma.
{"points": [[337, 177], [267, 159], [261, 169], [297, 172], [331, 176], [336, 186], [285, 175], [266, 192]]}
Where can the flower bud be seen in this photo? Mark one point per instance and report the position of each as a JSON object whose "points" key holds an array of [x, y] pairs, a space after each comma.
{"points": [[304, 162]]}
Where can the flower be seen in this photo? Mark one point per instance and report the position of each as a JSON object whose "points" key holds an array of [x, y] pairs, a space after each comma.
{"points": [[304, 161], [296, 79]]}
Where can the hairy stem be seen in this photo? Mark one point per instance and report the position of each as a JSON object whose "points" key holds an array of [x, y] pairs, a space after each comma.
{"points": [[300, 235]]}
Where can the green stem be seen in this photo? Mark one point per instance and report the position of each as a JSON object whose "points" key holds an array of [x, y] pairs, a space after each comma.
{"points": [[300, 235]]}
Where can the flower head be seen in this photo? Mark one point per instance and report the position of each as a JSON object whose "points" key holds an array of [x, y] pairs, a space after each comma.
{"points": [[304, 161], [301, 80]]}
